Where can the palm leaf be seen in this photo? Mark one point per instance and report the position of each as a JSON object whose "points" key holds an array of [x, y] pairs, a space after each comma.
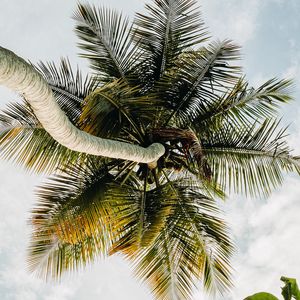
{"points": [[243, 104], [193, 245], [50, 257], [111, 108], [143, 214], [70, 220], [197, 79], [170, 27], [26, 143], [106, 41], [69, 88], [250, 159]]}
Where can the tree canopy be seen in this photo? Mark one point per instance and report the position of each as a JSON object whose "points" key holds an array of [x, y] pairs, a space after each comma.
{"points": [[158, 80]]}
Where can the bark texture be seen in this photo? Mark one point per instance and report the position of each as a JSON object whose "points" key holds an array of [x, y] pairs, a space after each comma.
{"points": [[21, 77]]}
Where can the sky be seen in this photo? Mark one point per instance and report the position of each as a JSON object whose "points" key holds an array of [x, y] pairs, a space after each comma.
{"points": [[266, 232]]}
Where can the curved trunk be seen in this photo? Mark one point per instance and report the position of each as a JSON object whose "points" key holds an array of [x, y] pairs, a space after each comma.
{"points": [[18, 75]]}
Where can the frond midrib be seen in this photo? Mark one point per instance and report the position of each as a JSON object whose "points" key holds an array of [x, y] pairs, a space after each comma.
{"points": [[265, 153], [199, 77]]}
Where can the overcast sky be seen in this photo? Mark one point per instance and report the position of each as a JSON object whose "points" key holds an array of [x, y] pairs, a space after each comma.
{"points": [[266, 231]]}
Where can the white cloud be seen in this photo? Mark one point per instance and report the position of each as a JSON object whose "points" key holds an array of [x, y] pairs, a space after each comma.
{"points": [[236, 19], [232, 19], [293, 70], [268, 247], [271, 242]]}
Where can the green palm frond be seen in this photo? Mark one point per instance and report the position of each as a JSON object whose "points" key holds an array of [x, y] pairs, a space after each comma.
{"points": [[71, 220], [193, 245], [106, 41], [49, 257], [250, 159], [113, 107], [210, 236], [142, 214], [69, 87], [158, 266], [26, 143], [243, 104], [85, 212], [197, 79], [169, 28]]}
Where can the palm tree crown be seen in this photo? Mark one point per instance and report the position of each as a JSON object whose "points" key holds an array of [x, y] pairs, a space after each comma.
{"points": [[160, 80]]}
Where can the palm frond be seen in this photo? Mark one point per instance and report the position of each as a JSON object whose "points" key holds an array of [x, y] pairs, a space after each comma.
{"points": [[250, 159], [49, 257], [193, 245], [243, 104], [153, 83], [70, 221], [143, 214], [170, 27], [106, 41], [26, 143], [111, 108], [197, 79], [156, 265], [69, 87]]}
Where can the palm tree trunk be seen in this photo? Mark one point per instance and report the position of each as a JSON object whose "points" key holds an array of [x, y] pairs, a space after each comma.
{"points": [[21, 77]]}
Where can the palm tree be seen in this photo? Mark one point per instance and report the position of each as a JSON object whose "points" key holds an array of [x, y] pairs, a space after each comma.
{"points": [[142, 150]]}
